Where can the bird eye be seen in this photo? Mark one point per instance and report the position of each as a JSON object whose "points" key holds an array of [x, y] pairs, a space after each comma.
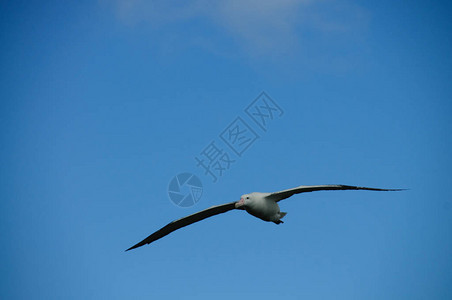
{"points": [[247, 197]]}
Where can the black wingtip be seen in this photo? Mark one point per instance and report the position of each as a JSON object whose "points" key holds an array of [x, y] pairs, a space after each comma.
{"points": [[383, 190], [135, 246]]}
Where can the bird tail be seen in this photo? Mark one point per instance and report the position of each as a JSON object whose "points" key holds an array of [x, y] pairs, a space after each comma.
{"points": [[281, 215]]}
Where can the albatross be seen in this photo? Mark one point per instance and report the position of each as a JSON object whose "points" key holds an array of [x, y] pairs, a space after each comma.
{"points": [[261, 205]]}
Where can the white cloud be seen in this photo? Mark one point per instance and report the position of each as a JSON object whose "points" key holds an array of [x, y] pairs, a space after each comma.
{"points": [[262, 26], [259, 26]]}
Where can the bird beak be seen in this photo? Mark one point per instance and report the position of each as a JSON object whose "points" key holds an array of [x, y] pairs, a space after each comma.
{"points": [[240, 203]]}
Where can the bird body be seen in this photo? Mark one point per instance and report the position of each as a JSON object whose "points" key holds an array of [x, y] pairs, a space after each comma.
{"points": [[261, 205]]}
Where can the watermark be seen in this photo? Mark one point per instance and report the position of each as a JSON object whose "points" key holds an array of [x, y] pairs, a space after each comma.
{"points": [[263, 110], [239, 136], [221, 154], [185, 189], [214, 161]]}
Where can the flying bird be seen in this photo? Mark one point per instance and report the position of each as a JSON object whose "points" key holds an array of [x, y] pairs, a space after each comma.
{"points": [[261, 205]]}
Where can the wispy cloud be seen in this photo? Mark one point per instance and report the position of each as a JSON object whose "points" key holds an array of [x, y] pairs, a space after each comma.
{"points": [[260, 27]]}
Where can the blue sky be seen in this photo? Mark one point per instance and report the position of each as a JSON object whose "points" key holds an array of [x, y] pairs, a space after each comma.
{"points": [[102, 103]]}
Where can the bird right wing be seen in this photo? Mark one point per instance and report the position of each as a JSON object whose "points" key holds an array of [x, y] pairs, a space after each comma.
{"points": [[278, 196], [185, 221]]}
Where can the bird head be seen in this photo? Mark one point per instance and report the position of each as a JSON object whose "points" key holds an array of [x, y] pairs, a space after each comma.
{"points": [[244, 200]]}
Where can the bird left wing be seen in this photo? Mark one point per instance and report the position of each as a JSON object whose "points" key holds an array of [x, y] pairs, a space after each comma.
{"points": [[278, 196], [182, 222]]}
